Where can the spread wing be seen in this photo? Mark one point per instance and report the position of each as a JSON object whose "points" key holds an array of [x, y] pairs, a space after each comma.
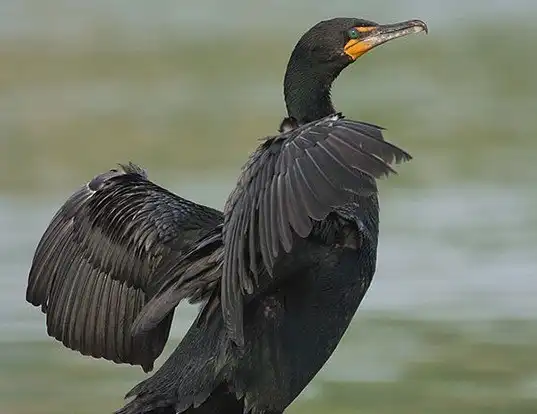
{"points": [[92, 272], [292, 179]]}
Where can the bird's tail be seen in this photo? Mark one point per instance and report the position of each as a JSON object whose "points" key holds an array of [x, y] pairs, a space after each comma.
{"points": [[219, 402], [190, 380]]}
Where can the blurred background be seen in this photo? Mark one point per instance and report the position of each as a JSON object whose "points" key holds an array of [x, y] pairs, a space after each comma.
{"points": [[187, 88]]}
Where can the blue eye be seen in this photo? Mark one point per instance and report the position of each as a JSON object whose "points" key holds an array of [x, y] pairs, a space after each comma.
{"points": [[353, 33]]}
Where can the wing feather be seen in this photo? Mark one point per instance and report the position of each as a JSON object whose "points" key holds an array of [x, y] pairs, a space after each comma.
{"points": [[92, 271], [292, 179]]}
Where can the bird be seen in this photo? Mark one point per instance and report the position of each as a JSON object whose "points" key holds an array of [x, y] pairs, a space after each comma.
{"points": [[278, 274]]}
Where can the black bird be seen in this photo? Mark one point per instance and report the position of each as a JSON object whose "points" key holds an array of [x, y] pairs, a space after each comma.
{"points": [[279, 274]]}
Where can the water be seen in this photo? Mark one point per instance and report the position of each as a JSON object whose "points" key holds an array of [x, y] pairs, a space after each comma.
{"points": [[186, 88], [73, 21], [464, 253]]}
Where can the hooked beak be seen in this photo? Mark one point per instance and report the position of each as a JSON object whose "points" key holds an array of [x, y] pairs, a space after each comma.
{"points": [[376, 35]]}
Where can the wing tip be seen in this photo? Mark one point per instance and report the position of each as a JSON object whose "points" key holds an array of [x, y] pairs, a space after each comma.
{"points": [[137, 357], [388, 152], [35, 295]]}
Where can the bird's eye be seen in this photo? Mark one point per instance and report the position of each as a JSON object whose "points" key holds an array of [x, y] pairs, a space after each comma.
{"points": [[353, 33]]}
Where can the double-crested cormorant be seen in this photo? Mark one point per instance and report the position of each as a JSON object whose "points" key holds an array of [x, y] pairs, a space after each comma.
{"points": [[279, 274]]}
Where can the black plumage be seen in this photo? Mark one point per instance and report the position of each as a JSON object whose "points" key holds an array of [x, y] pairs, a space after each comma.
{"points": [[292, 179], [279, 274], [92, 272]]}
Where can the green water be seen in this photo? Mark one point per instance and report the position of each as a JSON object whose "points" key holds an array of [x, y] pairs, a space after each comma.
{"points": [[406, 367], [450, 322]]}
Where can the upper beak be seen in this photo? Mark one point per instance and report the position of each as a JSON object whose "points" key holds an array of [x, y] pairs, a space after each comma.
{"points": [[378, 35]]}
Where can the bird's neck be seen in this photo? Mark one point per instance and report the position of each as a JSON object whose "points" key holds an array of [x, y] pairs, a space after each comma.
{"points": [[307, 90]]}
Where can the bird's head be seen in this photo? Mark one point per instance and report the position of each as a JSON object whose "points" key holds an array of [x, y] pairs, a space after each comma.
{"points": [[341, 41], [323, 52]]}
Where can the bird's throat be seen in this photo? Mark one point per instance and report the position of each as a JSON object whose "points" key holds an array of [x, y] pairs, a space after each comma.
{"points": [[307, 90]]}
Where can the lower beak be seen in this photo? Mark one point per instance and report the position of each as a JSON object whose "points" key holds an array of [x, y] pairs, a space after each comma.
{"points": [[382, 34]]}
